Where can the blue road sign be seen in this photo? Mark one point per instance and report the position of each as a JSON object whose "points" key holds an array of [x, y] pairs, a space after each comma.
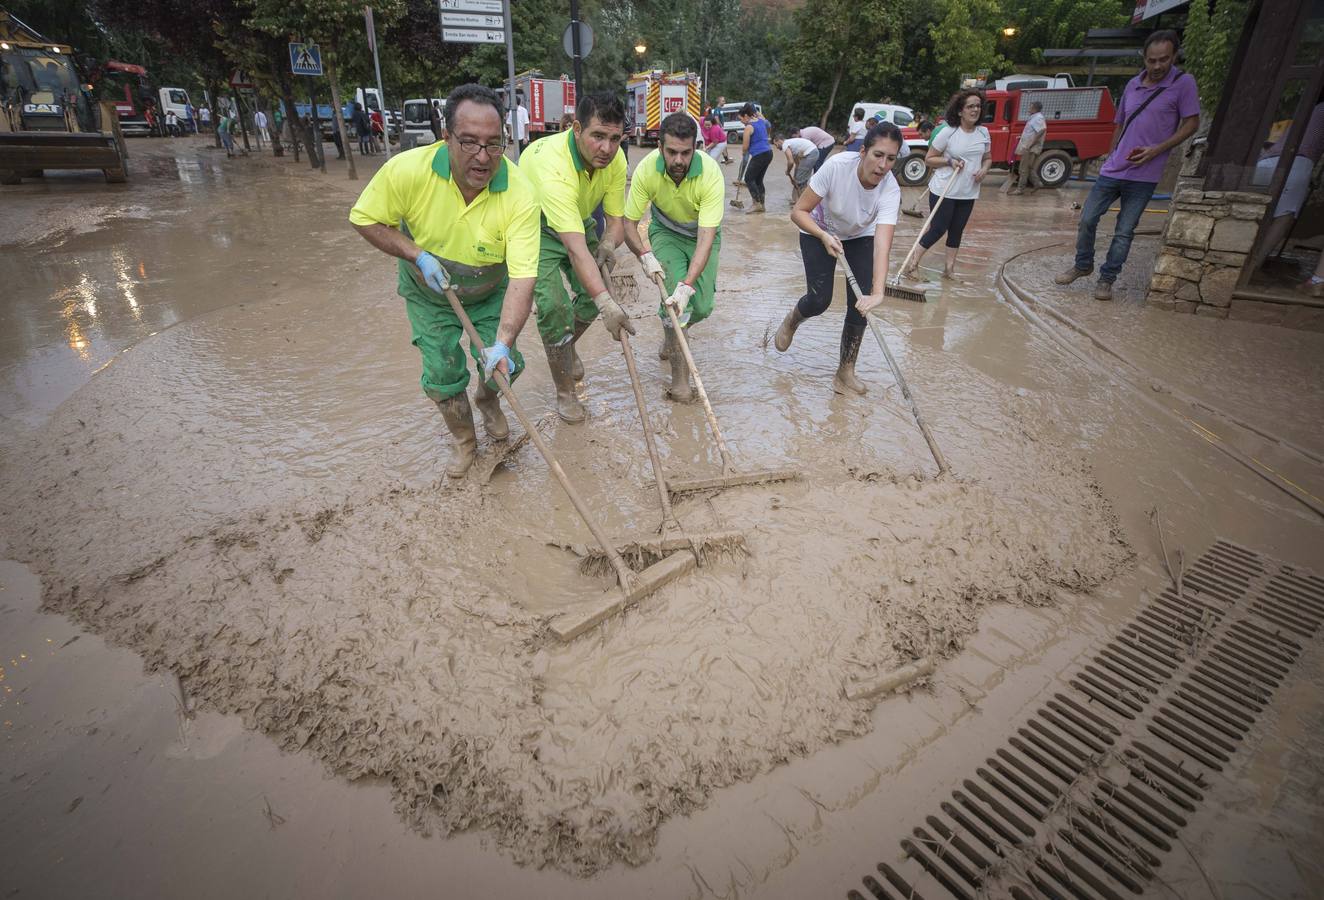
{"points": [[305, 59]]}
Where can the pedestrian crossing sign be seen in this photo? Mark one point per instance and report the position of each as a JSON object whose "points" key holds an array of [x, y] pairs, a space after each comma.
{"points": [[305, 59]]}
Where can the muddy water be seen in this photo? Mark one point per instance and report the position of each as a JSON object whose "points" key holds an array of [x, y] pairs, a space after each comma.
{"points": [[250, 499]]}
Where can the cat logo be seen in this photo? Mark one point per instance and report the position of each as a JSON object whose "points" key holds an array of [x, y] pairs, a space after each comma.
{"points": [[42, 109]]}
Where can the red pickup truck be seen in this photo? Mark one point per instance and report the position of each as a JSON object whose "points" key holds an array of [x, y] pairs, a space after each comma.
{"points": [[1080, 128]]}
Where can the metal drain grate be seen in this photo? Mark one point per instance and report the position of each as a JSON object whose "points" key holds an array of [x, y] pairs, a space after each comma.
{"points": [[1087, 795]]}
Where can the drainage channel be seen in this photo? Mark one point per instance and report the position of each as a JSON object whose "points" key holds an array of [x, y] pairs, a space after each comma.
{"points": [[1089, 793]]}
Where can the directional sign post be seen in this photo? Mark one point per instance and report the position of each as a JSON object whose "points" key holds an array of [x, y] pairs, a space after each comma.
{"points": [[305, 59], [482, 22]]}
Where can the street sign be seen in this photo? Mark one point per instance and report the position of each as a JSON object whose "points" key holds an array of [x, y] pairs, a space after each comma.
{"points": [[240, 79], [585, 40], [305, 59], [472, 20], [491, 7], [473, 36]]}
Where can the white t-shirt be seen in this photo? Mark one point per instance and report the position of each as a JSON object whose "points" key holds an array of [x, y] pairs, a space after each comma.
{"points": [[522, 117], [260, 119], [799, 147], [1036, 128], [957, 143], [856, 129], [849, 209]]}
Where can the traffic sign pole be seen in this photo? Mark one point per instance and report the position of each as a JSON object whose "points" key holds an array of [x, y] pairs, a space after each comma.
{"points": [[381, 94], [510, 75], [574, 38]]}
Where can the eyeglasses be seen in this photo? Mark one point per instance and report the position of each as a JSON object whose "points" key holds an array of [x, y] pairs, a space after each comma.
{"points": [[473, 147]]}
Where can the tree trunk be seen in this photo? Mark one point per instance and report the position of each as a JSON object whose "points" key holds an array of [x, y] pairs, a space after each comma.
{"points": [[316, 151], [215, 113], [338, 113], [832, 95]]}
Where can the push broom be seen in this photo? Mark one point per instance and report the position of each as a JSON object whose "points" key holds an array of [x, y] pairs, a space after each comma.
{"points": [[731, 476], [900, 379], [914, 293], [631, 586], [671, 537]]}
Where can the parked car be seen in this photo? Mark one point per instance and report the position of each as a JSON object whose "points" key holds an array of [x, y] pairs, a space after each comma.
{"points": [[900, 116], [730, 114], [1080, 128]]}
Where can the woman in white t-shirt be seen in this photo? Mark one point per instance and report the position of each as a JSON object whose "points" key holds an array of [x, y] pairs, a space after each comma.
{"points": [[960, 154], [855, 130], [849, 207]]}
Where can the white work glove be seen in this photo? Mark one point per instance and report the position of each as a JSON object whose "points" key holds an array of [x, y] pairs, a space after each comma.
{"points": [[679, 301], [605, 255], [651, 265], [612, 315]]}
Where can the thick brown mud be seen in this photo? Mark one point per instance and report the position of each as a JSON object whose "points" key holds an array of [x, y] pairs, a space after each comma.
{"points": [[248, 496]]}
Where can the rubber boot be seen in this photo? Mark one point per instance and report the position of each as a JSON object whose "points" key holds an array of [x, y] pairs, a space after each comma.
{"points": [[664, 350], [787, 330], [494, 420], [460, 420], [561, 360], [845, 381], [680, 390], [577, 369]]}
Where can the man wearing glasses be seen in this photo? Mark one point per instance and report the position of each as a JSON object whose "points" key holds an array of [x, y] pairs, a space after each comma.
{"points": [[459, 216], [572, 173]]}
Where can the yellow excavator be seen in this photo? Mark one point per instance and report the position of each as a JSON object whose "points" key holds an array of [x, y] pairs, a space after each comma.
{"points": [[48, 119]]}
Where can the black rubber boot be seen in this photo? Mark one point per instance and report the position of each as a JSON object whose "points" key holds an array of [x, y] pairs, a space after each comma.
{"points": [[494, 420], [786, 333], [680, 390], [845, 381], [560, 360], [577, 369], [460, 420]]}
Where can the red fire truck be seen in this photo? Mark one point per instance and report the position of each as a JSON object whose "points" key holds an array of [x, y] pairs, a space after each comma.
{"points": [[1080, 128], [655, 95], [546, 99]]}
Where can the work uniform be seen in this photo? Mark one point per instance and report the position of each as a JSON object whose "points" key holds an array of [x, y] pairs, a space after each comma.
{"points": [[482, 246], [679, 211], [568, 190]]}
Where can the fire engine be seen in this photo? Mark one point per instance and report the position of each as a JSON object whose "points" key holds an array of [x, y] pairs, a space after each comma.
{"points": [[656, 94]]}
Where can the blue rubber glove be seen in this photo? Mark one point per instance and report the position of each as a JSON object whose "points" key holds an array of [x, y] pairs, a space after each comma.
{"points": [[492, 357], [434, 275]]}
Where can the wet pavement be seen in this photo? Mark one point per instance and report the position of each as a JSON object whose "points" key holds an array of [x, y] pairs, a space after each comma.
{"points": [[211, 344]]}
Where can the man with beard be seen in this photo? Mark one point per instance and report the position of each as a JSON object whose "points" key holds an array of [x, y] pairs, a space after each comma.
{"points": [[686, 191], [459, 216], [572, 172]]}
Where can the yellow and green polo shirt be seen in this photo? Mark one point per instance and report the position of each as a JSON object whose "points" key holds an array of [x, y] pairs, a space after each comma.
{"points": [[699, 198], [414, 191], [568, 189]]}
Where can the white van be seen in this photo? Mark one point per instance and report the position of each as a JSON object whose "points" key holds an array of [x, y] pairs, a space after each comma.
{"points": [[417, 126], [174, 100], [1032, 82], [900, 116]]}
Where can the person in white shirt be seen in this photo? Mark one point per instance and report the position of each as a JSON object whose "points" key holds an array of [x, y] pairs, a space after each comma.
{"points": [[1029, 147], [960, 156], [260, 121], [518, 131], [855, 130], [848, 209], [172, 124], [801, 156], [204, 118]]}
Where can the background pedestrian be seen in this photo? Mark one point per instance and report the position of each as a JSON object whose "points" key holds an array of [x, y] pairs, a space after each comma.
{"points": [[960, 156], [1030, 145], [756, 153]]}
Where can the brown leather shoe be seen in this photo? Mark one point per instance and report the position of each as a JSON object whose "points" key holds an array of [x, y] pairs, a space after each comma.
{"points": [[1072, 274], [1103, 290]]}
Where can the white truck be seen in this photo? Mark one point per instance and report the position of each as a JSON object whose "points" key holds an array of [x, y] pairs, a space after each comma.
{"points": [[417, 126]]}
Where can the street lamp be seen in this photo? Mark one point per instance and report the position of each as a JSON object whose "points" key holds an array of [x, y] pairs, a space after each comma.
{"points": [[1009, 31], [641, 48]]}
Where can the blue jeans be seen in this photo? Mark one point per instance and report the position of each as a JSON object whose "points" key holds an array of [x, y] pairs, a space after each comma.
{"points": [[1135, 197]]}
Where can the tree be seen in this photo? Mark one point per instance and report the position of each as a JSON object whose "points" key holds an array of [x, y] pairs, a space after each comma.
{"points": [[965, 36], [1213, 28]]}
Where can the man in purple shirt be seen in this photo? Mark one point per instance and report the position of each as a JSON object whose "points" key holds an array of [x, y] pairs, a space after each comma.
{"points": [[1160, 108]]}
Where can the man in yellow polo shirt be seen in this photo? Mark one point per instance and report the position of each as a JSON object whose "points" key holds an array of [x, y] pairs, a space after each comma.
{"points": [[572, 173], [686, 191], [459, 215]]}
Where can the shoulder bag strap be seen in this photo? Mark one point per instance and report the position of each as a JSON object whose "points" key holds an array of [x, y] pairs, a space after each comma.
{"points": [[1131, 118]]}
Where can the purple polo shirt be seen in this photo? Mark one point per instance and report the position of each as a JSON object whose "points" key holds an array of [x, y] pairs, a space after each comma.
{"points": [[1158, 122]]}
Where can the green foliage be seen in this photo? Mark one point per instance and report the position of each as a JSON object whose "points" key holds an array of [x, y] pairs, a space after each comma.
{"points": [[1041, 24], [966, 34], [1210, 37]]}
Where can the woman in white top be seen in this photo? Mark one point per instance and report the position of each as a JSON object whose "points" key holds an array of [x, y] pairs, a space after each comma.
{"points": [[960, 154], [855, 130], [849, 207]]}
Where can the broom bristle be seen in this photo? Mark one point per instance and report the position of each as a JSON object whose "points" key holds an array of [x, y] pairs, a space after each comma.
{"points": [[916, 295], [639, 555]]}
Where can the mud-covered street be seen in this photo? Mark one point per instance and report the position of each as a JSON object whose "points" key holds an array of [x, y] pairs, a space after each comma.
{"points": [[254, 642]]}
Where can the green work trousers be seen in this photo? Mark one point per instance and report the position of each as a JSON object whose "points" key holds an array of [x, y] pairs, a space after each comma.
{"points": [[437, 330], [675, 252], [557, 310]]}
